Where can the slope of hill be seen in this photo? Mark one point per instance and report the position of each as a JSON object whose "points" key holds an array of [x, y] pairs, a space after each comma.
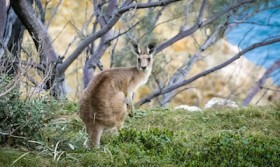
{"points": [[154, 137]]}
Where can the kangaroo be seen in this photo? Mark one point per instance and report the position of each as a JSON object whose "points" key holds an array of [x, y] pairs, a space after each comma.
{"points": [[104, 102]]}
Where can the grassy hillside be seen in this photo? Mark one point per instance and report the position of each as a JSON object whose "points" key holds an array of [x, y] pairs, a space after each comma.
{"points": [[154, 137]]}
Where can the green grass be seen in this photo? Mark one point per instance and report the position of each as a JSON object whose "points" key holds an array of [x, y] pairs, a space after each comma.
{"points": [[157, 137]]}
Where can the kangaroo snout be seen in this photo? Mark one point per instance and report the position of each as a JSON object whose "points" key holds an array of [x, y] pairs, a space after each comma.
{"points": [[143, 68]]}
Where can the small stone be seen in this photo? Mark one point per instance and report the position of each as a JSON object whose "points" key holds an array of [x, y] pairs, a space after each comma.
{"points": [[217, 102], [188, 108]]}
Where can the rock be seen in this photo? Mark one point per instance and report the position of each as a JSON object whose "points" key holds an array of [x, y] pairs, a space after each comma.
{"points": [[188, 108], [217, 102]]}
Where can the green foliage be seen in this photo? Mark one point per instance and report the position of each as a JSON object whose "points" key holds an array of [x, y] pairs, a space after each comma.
{"points": [[155, 137], [11, 157], [66, 132], [235, 149], [21, 121]]}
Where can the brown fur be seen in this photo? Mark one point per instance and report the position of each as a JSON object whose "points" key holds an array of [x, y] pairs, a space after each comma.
{"points": [[103, 103]]}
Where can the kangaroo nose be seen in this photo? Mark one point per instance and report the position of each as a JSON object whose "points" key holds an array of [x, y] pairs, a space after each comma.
{"points": [[143, 68]]}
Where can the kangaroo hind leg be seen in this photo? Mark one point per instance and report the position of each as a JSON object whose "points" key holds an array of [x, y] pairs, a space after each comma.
{"points": [[95, 131]]}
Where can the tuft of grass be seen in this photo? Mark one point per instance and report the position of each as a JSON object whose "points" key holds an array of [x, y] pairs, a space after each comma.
{"points": [[13, 157], [157, 137], [253, 120]]}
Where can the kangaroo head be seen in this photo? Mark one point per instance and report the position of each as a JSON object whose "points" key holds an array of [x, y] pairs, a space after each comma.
{"points": [[144, 57]]}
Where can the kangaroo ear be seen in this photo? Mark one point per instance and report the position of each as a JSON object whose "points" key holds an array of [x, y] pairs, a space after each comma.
{"points": [[135, 48], [151, 48]]}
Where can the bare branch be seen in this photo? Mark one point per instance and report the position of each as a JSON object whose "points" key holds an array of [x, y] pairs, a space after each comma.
{"points": [[201, 12], [60, 32], [105, 29], [113, 52], [14, 82], [206, 72], [158, 24], [3, 17], [78, 33], [259, 85], [54, 13], [31, 79], [175, 93], [94, 59], [20, 137], [195, 27], [10, 86], [122, 33], [31, 64], [185, 68], [266, 88], [8, 29], [41, 11]]}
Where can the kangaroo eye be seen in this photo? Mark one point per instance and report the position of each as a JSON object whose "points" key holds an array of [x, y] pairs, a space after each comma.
{"points": [[139, 60], [149, 59]]}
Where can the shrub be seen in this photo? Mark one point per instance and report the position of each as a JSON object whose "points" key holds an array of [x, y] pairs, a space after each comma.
{"points": [[21, 121]]}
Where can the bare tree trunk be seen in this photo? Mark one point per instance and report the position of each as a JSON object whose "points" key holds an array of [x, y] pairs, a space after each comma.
{"points": [[13, 37], [94, 58], [43, 43], [3, 17], [37, 31], [13, 32], [258, 86], [54, 67], [16, 37]]}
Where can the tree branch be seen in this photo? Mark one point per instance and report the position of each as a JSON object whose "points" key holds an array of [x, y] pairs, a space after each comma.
{"points": [[102, 19], [201, 12], [8, 28], [3, 17], [259, 85], [54, 13], [105, 29], [206, 72], [36, 30], [199, 24], [180, 74]]}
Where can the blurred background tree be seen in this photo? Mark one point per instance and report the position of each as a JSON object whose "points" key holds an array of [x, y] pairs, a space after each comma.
{"points": [[69, 41]]}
